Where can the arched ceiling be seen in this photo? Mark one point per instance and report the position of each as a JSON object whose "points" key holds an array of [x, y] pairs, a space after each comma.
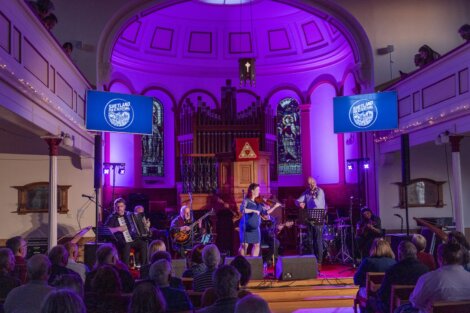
{"points": [[194, 37]]}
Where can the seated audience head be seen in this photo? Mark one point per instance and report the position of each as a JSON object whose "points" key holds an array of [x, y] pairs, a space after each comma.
{"points": [[72, 249], [459, 238], [38, 267], [71, 282], [464, 32], [211, 256], [106, 281], [106, 254], [226, 281], [449, 254], [160, 255], [160, 272], [406, 250], [44, 7], [419, 241], [243, 267], [68, 48], [252, 304], [50, 21], [59, 255], [18, 246], [7, 260], [63, 301], [418, 60], [196, 254], [147, 298], [381, 248], [156, 245]]}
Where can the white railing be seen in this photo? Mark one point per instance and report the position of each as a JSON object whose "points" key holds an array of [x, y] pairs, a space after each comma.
{"points": [[38, 81]]}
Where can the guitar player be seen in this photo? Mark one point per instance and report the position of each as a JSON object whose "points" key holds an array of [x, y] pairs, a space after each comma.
{"points": [[367, 230], [124, 239], [182, 223]]}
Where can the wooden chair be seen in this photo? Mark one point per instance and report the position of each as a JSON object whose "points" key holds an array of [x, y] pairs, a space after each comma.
{"points": [[451, 306], [399, 295], [187, 282], [373, 282]]}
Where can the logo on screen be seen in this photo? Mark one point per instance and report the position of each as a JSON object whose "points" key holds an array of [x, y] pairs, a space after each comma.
{"points": [[363, 113], [119, 113]]}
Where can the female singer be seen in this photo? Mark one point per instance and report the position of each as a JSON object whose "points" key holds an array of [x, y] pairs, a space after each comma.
{"points": [[250, 221]]}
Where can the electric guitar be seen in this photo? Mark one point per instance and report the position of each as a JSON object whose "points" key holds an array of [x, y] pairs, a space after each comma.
{"points": [[182, 237]]}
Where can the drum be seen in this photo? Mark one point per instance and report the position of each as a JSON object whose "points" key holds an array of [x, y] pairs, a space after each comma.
{"points": [[329, 232]]}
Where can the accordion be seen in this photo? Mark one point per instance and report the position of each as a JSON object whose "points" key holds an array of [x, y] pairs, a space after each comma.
{"points": [[136, 226]]}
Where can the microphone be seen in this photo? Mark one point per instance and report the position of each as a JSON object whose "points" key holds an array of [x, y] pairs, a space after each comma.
{"points": [[87, 196]]}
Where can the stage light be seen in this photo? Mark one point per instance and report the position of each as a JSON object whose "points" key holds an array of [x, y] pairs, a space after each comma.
{"points": [[350, 166], [106, 170], [366, 165], [122, 169]]}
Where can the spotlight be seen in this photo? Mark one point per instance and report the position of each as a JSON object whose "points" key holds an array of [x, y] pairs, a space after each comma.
{"points": [[350, 166], [122, 169], [366, 165], [106, 170]]}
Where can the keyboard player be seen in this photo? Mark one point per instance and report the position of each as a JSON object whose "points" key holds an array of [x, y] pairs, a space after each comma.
{"points": [[119, 224]]}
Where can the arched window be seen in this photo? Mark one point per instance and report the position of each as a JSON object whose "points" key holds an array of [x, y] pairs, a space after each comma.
{"points": [[289, 153], [152, 145]]}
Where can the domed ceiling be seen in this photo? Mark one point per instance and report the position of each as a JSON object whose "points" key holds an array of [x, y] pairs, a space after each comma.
{"points": [[194, 37]]}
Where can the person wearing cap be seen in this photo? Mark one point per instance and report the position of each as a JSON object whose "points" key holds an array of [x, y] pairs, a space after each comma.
{"points": [[368, 228]]}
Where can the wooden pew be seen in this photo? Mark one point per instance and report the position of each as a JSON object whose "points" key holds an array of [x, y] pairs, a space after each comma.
{"points": [[187, 282], [373, 283], [399, 295], [451, 307]]}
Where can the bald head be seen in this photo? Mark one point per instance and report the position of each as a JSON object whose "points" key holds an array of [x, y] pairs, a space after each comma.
{"points": [[38, 267]]}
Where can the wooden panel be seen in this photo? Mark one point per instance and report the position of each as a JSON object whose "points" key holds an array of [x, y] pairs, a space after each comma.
{"points": [[75, 101], [64, 90], [463, 81], [416, 102], [52, 79], [404, 106], [16, 45], [35, 63], [5, 32], [440, 91], [246, 173], [80, 106]]}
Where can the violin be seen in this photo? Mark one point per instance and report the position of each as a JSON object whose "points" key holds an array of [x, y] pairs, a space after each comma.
{"points": [[268, 202]]}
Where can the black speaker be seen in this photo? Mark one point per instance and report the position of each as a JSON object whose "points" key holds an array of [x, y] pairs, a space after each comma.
{"points": [[97, 176], [256, 266], [296, 267], [405, 159], [36, 246], [178, 266], [90, 253]]}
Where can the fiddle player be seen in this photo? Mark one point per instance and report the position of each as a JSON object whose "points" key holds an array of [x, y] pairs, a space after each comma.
{"points": [[182, 223], [250, 222], [367, 230], [313, 198]]}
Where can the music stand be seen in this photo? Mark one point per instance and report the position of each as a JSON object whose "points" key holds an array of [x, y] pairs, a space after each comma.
{"points": [[317, 216], [104, 234]]}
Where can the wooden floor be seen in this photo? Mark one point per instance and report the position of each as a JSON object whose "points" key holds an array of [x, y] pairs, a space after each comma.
{"points": [[326, 294]]}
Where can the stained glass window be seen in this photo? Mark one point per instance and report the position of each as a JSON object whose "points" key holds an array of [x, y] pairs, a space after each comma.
{"points": [[289, 153], [152, 145]]}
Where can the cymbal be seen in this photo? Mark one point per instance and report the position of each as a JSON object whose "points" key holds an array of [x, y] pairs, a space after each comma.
{"points": [[341, 219]]}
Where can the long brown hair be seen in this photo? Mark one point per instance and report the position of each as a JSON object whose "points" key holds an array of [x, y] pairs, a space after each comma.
{"points": [[252, 187]]}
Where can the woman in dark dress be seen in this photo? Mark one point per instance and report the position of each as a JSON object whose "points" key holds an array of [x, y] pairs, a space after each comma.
{"points": [[250, 221]]}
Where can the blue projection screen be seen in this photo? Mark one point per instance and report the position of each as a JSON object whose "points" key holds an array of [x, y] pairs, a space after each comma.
{"points": [[368, 112], [114, 112]]}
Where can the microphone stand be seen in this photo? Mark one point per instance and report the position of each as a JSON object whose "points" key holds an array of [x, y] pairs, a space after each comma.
{"points": [[353, 253]]}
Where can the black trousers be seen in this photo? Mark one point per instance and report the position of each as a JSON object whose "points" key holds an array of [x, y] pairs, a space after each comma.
{"points": [[140, 247]]}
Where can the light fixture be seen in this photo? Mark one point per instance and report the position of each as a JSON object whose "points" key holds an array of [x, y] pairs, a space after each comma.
{"points": [[366, 164], [363, 163], [246, 67], [120, 167], [350, 166], [106, 170]]}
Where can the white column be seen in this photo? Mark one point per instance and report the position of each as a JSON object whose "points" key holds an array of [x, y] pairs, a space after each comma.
{"points": [[53, 143], [457, 183]]}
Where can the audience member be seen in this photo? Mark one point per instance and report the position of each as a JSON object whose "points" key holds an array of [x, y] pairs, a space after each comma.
{"points": [[176, 299], [68, 48], [405, 272], [226, 280], [59, 258], [381, 258], [50, 21], [156, 245], [459, 238], [195, 264], [72, 282], [107, 255], [147, 298], [175, 282], [464, 32], [427, 54], [252, 304], [369, 228], [7, 265], [41, 8], [72, 264], [211, 258], [19, 248], [106, 281], [29, 297], [63, 301], [243, 267], [426, 258]]}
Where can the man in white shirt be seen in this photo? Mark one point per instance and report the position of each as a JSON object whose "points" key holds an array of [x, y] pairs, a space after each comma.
{"points": [[450, 282], [72, 264]]}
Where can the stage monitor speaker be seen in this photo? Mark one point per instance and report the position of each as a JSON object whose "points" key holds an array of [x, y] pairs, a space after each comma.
{"points": [[296, 267], [256, 266], [178, 267], [90, 253], [36, 246]]}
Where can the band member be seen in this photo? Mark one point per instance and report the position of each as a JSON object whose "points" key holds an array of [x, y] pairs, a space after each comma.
{"points": [[313, 198], [367, 230], [268, 238], [119, 227], [250, 221], [182, 223], [144, 226]]}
